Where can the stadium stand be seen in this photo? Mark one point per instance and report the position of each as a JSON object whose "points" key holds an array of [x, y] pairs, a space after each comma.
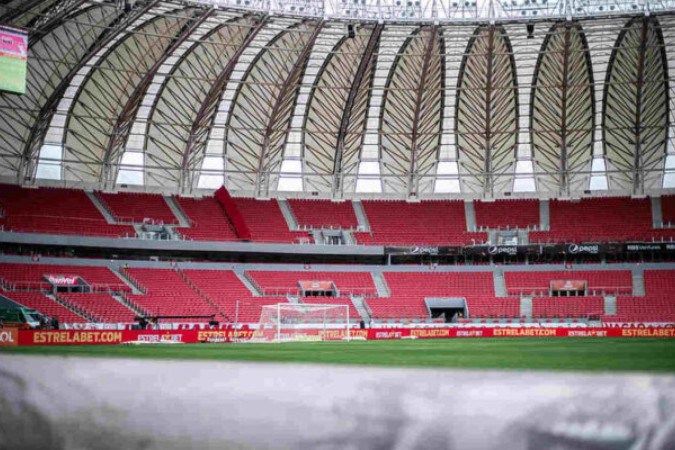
{"points": [[347, 283], [424, 223], [616, 219], [138, 207], [101, 307], [54, 211], [668, 210], [168, 294], [44, 305], [230, 295], [30, 276], [567, 307], [206, 292], [409, 289], [266, 222], [502, 214], [208, 220], [598, 282], [324, 214]]}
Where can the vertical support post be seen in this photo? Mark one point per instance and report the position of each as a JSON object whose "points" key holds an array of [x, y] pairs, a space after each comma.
{"points": [[347, 312], [236, 321], [323, 336], [278, 323]]}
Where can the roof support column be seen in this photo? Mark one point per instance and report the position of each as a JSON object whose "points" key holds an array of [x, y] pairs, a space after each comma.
{"points": [[201, 127], [121, 130], [286, 95], [364, 64], [413, 179]]}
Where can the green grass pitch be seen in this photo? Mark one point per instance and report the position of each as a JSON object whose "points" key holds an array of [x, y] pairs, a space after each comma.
{"points": [[573, 354]]}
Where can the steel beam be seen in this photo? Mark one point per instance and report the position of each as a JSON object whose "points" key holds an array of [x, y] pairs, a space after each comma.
{"points": [[638, 175], [201, 126], [15, 13], [39, 129], [367, 60], [46, 24], [290, 85], [421, 86], [121, 130], [488, 190]]}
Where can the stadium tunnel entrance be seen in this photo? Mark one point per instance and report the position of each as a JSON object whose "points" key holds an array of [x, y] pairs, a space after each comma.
{"points": [[450, 309]]}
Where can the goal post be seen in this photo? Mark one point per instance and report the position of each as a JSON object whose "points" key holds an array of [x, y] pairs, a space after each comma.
{"points": [[288, 322]]}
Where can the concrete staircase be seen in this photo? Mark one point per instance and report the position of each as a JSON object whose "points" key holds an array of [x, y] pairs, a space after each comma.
{"points": [[523, 237], [135, 288], [657, 214], [74, 309], [128, 304], [288, 214], [101, 208], [201, 294], [361, 217], [183, 220], [470, 214], [544, 215], [500, 284], [381, 285], [638, 282], [294, 299], [362, 308], [247, 281], [610, 305], [526, 307]]}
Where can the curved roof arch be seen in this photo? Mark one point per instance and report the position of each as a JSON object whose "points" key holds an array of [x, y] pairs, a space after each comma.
{"points": [[188, 96]]}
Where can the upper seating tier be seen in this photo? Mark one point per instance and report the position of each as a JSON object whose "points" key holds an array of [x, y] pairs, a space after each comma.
{"points": [[54, 211]]}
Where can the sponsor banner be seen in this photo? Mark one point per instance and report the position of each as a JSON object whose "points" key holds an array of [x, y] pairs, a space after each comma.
{"points": [[568, 285], [501, 250], [62, 280], [13, 59], [9, 337], [316, 285], [422, 250], [648, 247], [584, 249], [103, 337]]}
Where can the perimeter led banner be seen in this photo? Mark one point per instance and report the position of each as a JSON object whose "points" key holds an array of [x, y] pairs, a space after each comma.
{"points": [[108, 337], [13, 57]]}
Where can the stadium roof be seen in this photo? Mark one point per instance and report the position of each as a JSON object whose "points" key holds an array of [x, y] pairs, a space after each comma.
{"points": [[339, 100]]}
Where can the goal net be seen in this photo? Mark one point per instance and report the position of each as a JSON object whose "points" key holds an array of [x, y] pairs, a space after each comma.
{"points": [[286, 322]]}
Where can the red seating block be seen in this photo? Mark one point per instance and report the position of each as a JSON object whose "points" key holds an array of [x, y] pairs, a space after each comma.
{"points": [[167, 294], [208, 220], [357, 283], [44, 305], [424, 223], [102, 307], [507, 214], [54, 211], [324, 214], [138, 207], [598, 282], [266, 222]]}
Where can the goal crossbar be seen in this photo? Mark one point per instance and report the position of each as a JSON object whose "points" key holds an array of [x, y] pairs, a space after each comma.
{"points": [[289, 322]]}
